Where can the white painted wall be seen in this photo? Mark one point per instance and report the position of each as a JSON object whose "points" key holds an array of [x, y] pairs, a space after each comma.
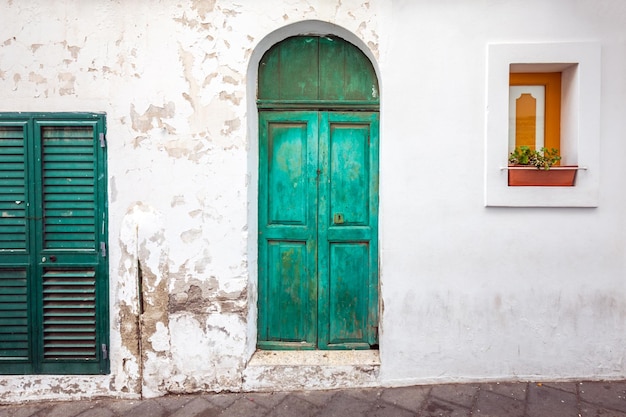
{"points": [[468, 292]]}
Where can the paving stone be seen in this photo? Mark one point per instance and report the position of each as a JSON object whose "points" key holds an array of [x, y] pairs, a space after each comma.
{"points": [[365, 394], [345, 405], [435, 407], [96, 412], [491, 404], [148, 408], [609, 395], [547, 401], [173, 402], [294, 406], [244, 407], [388, 410], [319, 398], [592, 410], [222, 400], [267, 400], [26, 410], [121, 407], [198, 407], [69, 408], [515, 390], [410, 398], [563, 386], [462, 394]]}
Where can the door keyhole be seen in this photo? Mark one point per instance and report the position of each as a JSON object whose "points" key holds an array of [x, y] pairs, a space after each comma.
{"points": [[338, 218]]}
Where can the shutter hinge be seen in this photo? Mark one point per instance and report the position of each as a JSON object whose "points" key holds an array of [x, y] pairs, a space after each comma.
{"points": [[103, 142], [103, 249], [105, 353]]}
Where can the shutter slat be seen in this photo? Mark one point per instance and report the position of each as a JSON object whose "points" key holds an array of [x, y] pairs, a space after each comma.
{"points": [[69, 311]]}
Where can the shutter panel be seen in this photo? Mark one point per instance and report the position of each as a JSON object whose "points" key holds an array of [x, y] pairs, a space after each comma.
{"points": [[53, 278], [68, 187], [69, 314], [12, 189], [14, 337], [15, 340], [72, 193]]}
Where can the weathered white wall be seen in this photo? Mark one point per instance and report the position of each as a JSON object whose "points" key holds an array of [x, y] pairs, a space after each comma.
{"points": [[493, 293], [468, 292]]}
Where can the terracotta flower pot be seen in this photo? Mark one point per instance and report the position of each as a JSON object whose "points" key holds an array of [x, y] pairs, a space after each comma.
{"points": [[559, 176]]}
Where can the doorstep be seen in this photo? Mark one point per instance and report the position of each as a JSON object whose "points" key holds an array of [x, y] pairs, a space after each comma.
{"points": [[289, 370]]}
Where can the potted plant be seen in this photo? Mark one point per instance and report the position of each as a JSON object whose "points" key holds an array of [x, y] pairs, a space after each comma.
{"points": [[530, 167]]}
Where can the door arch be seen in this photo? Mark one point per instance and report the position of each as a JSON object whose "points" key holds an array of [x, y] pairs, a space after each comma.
{"points": [[318, 196]]}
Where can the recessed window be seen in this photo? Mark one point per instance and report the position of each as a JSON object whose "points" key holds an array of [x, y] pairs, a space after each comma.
{"points": [[526, 108]]}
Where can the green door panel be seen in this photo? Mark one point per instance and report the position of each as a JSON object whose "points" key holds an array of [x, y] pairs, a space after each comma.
{"points": [[292, 292], [316, 72], [346, 75], [318, 196], [287, 228], [348, 302], [286, 176], [348, 230], [318, 273], [283, 78]]}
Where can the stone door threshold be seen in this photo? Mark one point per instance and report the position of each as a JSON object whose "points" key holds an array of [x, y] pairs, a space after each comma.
{"points": [[315, 357], [274, 370]]}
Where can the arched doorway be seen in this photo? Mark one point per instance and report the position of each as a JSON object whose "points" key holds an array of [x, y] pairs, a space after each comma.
{"points": [[318, 196]]}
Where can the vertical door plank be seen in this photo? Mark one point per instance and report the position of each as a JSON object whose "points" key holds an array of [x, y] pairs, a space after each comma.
{"points": [[287, 229], [348, 223]]}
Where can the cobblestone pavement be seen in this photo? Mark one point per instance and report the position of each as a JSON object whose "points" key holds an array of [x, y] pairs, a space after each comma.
{"points": [[584, 399]]}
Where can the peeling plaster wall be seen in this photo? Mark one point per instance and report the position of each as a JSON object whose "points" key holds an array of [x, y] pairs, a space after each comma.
{"points": [[461, 300], [171, 77]]}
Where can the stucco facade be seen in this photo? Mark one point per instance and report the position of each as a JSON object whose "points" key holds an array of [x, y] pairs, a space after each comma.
{"points": [[470, 291]]}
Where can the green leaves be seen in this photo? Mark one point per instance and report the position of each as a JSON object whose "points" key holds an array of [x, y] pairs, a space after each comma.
{"points": [[542, 159]]}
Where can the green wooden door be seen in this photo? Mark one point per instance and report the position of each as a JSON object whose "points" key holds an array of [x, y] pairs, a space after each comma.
{"points": [[53, 272], [318, 216]]}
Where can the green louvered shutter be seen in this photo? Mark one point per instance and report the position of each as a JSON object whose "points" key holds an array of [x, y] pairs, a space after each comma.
{"points": [[15, 256], [67, 297]]}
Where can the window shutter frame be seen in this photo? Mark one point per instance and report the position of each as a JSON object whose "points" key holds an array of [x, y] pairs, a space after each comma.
{"points": [[59, 287]]}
